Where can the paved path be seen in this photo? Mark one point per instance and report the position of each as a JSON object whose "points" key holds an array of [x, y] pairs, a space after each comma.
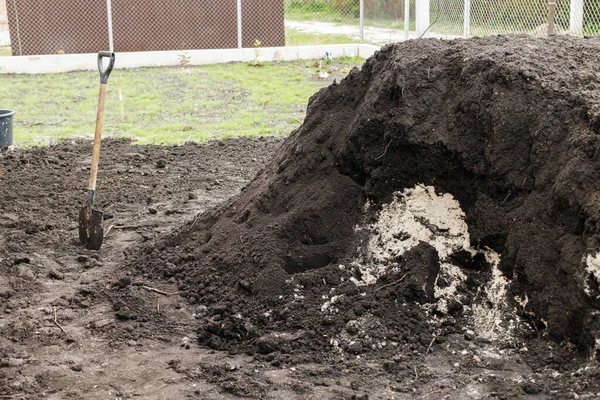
{"points": [[4, 38], [372, 34]]}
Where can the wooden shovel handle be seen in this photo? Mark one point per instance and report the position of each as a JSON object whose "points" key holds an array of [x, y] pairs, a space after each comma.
{"points": [[97, 138]]}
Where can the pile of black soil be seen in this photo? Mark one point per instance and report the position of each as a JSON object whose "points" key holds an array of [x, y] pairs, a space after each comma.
{"points": [[509, 126]]}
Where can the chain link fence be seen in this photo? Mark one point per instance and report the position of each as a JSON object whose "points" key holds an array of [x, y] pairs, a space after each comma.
{"points": [[4, 35], [468, 18], [321, 21], [385, 21], [78, 26]]}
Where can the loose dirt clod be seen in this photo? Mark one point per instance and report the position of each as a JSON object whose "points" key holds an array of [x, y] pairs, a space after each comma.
{"points": [[468, 167]]}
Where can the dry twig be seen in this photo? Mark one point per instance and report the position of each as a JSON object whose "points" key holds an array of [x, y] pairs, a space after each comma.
{"points": [[134, 226], [56, 322], [393, 283], [430, 344], [385, 150], [151, 289], [195, 221], [108, 230]]}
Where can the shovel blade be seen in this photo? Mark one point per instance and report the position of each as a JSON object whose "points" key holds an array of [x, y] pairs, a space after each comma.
{"points": [[91, 227]]}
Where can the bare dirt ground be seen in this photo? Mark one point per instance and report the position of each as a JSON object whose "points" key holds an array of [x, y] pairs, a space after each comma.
{"points": [[47, 279], [64, 336]]}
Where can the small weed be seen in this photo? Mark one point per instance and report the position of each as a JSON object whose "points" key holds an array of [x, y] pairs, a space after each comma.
{"points": [[256, 45], [184, 60]]}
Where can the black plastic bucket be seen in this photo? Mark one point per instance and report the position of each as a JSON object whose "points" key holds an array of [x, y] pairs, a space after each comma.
{"points": [[6, 128]]}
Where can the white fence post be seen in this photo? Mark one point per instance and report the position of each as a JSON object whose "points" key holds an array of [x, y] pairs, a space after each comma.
{"points": [[110, 28], [406, 19], [576, 18], [551, 17], [362, 21], [422, 17], [239, 23], [467, 19]]}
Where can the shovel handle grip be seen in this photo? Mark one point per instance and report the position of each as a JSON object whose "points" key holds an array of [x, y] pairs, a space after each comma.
{"points": [[105, 73]]}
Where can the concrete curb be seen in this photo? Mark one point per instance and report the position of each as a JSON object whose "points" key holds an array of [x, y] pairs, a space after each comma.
{"points": [[55, 63]]}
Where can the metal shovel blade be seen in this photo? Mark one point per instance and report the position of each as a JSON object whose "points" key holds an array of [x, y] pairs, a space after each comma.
{"points": [[91, 227]]}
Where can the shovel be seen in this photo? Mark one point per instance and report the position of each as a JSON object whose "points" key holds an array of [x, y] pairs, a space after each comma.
{"points": [[91, 220]]}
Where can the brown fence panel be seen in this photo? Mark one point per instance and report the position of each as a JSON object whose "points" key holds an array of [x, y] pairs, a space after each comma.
{"points": [[81, 26], [262, 20], [50, 27], [150, 25]]}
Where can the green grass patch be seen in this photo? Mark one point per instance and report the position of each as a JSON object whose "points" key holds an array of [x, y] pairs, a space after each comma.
{"points": [[389, 23], [591, 30], [294, 37], [167, 105], [320, 12], [5, 51]]}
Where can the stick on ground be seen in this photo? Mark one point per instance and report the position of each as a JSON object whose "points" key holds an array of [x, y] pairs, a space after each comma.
{"points": [[108, 231], [430, 344], [153, 224], [393, 283], [151, 289], [384, 150], [56, 322]]}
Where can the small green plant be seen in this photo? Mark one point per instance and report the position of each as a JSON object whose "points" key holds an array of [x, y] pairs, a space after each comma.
{"points": [[184, 60], [256, 45]]}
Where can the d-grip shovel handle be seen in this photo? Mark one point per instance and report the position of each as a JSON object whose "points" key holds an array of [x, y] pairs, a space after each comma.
{"points": [[104, 74]]}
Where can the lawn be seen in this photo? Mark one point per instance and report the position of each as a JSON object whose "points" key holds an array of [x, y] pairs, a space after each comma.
{"points": [[319, 12], [346, 16], [294, 37], [168, 105]]}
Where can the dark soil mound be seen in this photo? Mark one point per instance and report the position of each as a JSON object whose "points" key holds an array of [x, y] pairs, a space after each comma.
{"points": [[509, 126]]}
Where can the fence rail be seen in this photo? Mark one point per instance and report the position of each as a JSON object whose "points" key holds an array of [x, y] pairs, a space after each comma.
{"points": [[76, 26]]}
